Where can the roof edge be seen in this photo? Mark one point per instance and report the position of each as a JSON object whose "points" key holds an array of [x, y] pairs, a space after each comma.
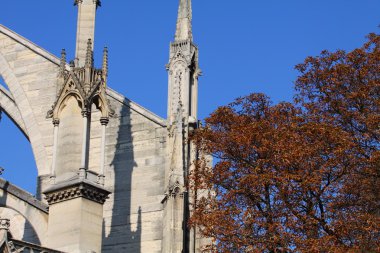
{"points": [[23, 195], [136, 107], [110, 92]]}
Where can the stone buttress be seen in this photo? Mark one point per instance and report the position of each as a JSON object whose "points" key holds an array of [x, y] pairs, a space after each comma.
{"points": [[77, 195]]}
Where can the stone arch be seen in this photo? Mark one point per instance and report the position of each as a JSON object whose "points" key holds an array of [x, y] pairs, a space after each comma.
{"points": [[26, 112], [33, 211], [30, 72], [68, 92], [101, 104], [62, 103], [20, 229], [9, 107]]}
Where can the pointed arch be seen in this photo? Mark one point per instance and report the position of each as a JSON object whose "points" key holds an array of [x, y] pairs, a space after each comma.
{"points": [[63, 102], [101, 104], [26, 112]]}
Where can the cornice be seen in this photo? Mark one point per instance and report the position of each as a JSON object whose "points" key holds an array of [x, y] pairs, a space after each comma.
{"points": [[77, 189]]}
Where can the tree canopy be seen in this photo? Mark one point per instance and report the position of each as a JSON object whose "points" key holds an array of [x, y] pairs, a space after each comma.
{"points": [[301, 176]]}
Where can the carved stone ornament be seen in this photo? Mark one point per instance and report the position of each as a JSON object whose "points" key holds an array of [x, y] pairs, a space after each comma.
{"points": [[79, 189], [174, 191], [86, 84], [4, 224]]}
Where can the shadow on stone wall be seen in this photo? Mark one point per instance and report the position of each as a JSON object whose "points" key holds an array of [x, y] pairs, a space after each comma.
{"points": [[125, 233], [30, 234]]}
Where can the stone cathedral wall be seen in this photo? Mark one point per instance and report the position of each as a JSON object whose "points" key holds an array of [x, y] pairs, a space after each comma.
{"points": [[135, 159], [135, 147]]}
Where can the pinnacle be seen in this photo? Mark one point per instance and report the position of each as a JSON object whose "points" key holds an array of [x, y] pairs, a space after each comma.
{"points": [[89, 59], [63, 60], [105, 62]]}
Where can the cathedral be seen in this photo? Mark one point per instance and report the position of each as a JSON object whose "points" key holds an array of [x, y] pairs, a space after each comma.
{"points": [[111, 174]]}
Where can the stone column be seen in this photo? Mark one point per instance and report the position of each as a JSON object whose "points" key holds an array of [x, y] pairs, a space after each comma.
{"points": [[104, 122], [194, 94], [55, 147], [83, 164]]}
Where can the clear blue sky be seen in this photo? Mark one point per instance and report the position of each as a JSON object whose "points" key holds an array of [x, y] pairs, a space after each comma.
{"points": [[245, 46]]}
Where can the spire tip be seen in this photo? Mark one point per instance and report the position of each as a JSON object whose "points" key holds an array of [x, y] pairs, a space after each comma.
{"points": [[184, 21]]}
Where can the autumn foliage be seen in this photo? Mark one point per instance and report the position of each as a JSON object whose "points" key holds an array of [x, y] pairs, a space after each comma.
{"points": [[296, 177]]}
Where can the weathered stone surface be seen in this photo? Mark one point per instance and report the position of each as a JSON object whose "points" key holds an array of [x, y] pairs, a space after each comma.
{"points": [[135, 154]]}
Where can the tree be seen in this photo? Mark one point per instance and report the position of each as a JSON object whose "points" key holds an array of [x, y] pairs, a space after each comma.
{"points": [[296, 177]]}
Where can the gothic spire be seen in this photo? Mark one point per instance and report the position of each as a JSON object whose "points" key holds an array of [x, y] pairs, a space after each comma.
{"points": [[184, 30]]}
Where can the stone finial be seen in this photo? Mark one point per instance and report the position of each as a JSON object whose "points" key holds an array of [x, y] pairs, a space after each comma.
{"points": [[184, 29], [89, 54], [63, 60], [105, 62]]}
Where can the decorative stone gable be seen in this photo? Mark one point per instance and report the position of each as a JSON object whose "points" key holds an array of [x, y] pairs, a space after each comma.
{"points": [[87, 84]]}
